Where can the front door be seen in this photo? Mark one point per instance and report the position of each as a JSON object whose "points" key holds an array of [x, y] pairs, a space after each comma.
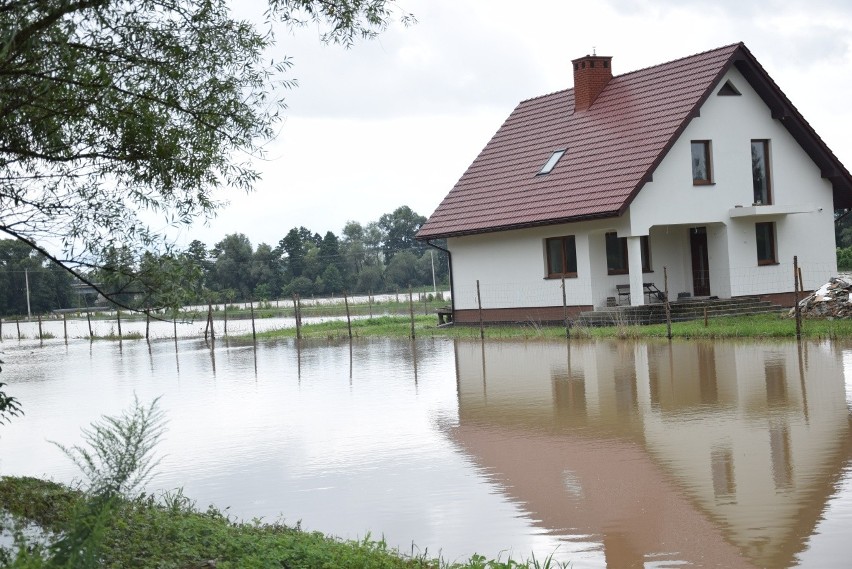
{"points": [[700, 261]]}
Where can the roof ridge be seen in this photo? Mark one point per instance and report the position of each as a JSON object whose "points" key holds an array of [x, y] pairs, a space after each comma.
{"points": [[679, 59], [642, 69], [552, 93]]}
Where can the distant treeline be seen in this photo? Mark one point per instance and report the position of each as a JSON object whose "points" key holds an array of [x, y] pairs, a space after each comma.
{"points": [[382, 256], [22, 268]]}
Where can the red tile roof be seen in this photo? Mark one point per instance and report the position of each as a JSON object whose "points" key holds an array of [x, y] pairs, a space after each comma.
{"points": [[612, 148]]}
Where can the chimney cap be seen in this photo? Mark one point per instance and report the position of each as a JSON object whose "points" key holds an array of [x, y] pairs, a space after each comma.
{"points": [[592, 57]]}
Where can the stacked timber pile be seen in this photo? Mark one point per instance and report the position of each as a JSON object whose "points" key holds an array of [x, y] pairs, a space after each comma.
{"points": [[832, 300]]}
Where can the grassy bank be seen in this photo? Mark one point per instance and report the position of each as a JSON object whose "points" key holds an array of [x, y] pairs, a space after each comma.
{"points": [[171, 532], [754, 326]]}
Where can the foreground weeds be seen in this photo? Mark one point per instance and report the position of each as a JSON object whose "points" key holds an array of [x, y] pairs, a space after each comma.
{"points": [[169, 531]]}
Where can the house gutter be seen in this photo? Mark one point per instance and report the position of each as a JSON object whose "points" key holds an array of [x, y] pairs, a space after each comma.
{"points": [[452, 285]]}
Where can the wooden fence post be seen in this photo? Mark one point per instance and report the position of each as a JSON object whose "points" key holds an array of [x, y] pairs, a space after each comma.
{"points": [[89, 320], [565, 311], [411, 310], [18, 325], [479, 304], [40, 333], [210, 320], [668, 306], [796, 284], [253, 332], [118, 317], [64, 327], [348, 319], [147, 324], [298, 316]]}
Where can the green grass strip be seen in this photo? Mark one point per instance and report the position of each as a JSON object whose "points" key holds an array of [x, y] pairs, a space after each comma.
{"points": [[171, 532], [752, 326]]}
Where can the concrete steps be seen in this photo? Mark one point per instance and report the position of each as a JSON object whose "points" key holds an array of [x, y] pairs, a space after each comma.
{"points": [[682, 310]]}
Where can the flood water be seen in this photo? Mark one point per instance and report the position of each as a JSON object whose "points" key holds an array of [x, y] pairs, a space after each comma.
{"points": [[605, 454]]}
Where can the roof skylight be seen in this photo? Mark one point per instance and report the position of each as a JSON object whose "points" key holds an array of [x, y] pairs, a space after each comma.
{"points": [[551, 162]]}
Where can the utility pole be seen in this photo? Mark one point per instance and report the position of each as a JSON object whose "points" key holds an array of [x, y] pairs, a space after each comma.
{"points": [[434, 286], [27, 281]]}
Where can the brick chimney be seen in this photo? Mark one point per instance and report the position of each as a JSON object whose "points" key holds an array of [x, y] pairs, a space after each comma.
{"points": [[591, 74]]}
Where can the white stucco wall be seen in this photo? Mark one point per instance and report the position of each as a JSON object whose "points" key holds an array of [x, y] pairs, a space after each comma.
{"points": [[511, 267], [731, 123]]}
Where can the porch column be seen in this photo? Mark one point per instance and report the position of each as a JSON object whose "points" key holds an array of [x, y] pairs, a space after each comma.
{"points": [[634, 258]]}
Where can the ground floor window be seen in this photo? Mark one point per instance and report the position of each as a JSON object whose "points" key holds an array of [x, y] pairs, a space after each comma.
{"points": [[616, 254], [561, 257], [765, 235]]}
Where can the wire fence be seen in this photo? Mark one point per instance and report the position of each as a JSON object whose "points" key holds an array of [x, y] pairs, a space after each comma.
{"points": [[241, 319], [237, 319], [609, 290]]}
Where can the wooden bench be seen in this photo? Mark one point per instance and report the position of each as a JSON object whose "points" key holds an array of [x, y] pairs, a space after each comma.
{"points": [[445, 315], [650, 290]]}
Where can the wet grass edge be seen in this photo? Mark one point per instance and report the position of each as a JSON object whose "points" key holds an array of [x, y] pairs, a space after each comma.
{"points": [[170, 531], [759, 326]]}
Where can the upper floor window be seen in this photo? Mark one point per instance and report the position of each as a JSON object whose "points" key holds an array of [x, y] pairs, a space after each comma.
{"points": [[760, 172], [561, 256], [765, 237], [616, 254], [702, 168]]}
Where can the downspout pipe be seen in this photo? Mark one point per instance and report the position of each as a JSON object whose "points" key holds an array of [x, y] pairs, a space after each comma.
{"points": [[452, 286]]}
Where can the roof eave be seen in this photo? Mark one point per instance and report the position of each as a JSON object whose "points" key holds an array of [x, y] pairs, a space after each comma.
{"points": [[785, 112], [515, 226]]}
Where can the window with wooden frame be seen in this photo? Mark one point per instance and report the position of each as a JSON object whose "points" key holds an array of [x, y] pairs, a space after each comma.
{"points": [[765, 239], [561, 257], [616, 254], [702, 166], [760, 175], [645, 243]]}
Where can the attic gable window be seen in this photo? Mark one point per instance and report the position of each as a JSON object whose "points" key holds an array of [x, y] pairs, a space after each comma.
{"points": [[551, 162], [728, 90]]}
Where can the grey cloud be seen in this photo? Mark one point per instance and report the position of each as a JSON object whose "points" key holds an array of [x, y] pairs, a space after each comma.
{"points": [[385, 77]]}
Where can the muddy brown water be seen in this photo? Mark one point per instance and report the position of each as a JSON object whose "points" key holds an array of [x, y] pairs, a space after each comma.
{"points": [[605, 454]]}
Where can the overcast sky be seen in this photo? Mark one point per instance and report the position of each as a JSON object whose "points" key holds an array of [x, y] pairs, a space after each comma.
{"points": [[396, 121]]}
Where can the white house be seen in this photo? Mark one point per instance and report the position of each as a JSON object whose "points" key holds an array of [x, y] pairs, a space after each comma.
{"points": [[700, 165]]}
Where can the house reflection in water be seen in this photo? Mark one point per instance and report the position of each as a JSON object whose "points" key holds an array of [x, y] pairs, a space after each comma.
{"points": [[708, 454]]}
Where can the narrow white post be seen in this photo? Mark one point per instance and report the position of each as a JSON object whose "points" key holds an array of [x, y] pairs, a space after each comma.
{"points": [[434, 286], [27, 281], [634, 265]]}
